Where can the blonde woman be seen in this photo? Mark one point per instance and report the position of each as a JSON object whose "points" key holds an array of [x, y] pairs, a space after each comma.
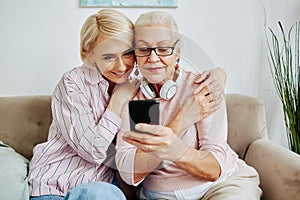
{"points": [[79, 154]]}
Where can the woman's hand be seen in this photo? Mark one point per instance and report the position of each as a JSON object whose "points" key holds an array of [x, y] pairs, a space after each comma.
{"points": [[212, 81], [160, 141], [204, 101], [210, 91], [122, 94]]}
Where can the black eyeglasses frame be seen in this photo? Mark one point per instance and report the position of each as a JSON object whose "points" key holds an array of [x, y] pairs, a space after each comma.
{"points": [[155, 48]]}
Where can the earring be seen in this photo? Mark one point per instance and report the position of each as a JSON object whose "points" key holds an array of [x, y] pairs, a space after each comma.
{"points": [[177, 65], [136, 69]]}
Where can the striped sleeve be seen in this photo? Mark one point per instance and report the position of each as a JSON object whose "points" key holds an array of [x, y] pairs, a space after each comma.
{"points": [[125, 152], [74, 115]]}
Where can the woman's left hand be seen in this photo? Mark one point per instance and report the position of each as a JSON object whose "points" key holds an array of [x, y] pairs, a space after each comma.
{"points": [[158, 140], [211, 83], [206, 99]]}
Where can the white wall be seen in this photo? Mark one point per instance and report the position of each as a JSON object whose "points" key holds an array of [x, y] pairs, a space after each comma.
{"points": [[40, 40], [288, 12]]}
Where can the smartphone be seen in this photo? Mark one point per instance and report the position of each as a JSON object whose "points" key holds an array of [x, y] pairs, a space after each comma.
{"points": [[143, 111]]}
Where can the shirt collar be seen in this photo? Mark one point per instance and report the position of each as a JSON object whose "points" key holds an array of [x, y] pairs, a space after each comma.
{"points": [[93, 75]]}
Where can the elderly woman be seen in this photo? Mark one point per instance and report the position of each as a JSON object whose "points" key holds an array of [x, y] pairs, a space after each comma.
{"points": [[194, 162]]}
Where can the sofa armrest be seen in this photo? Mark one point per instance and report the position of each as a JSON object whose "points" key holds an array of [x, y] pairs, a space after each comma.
{"points": [[278, 167]]}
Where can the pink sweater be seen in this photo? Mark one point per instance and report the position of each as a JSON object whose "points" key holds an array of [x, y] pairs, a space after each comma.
{"points": [[208, 134]]}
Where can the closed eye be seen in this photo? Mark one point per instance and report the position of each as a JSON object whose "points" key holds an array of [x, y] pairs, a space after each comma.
{"points": [[163, 49], [128, 53], [143, 49]]}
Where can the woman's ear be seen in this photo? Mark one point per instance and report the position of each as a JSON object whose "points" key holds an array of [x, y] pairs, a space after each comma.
{"points": [[90, 61], [177, 57]]}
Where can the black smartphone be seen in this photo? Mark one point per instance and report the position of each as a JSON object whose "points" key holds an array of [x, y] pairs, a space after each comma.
{"points": [[143, 111]]}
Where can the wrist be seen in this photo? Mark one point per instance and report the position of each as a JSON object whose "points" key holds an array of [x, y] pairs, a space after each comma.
{"points": [[178, 151], [115, 108], [187, 156]]}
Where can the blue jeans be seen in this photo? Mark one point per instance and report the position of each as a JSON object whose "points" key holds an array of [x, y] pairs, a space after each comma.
{"points": [[47, 197], [88, 191]]}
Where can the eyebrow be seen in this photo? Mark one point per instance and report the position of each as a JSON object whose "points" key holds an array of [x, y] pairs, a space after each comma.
{"points": [[108, 54], [114, 54]]}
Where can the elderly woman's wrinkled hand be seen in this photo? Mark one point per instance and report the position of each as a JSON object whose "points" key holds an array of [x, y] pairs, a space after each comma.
{"points": [[158, 140]]}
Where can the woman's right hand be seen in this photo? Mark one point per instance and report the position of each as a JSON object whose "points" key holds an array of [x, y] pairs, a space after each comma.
{"points": [[122, 94], [159, 141]]}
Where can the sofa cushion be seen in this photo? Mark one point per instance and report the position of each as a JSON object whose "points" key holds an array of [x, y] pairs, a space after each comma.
{"points": [[13, 174], [24, 122]]}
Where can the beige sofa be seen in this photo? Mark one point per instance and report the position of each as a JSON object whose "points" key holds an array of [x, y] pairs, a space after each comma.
{"points": [[24, 122]]}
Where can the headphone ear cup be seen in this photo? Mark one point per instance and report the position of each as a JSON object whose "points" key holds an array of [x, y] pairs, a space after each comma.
{"points": [[168, 90], [147, 90]]}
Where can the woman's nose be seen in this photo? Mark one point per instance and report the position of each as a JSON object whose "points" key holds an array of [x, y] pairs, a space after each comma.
{"points": [[120, 64], [153, 57]]}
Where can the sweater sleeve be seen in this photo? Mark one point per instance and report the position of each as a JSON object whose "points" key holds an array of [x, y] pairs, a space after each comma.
{"points": [[73, 113], [212, 134]]}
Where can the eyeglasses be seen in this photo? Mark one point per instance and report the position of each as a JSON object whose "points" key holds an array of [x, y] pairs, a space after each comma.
{"points": [[160, 51], [113, 57]]}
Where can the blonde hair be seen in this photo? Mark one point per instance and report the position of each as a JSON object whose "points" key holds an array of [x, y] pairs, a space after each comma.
{"points": [[105, 24]]}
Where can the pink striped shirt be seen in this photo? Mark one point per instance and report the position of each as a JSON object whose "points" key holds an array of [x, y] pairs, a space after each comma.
{"points": [[78, 149], [209, 134]]}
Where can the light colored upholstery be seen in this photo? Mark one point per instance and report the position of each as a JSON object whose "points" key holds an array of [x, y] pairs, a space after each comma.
{"points": [[246, 121], [24, 122], [279, 169], [13, 174]]}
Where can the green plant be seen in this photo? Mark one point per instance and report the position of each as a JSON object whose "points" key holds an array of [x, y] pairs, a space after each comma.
{"points": [[284, 64]]}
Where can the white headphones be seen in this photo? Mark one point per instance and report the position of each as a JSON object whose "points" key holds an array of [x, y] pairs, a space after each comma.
{"points": [[167, 91]]}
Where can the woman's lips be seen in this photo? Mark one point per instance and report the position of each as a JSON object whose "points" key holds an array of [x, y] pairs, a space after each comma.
{"points": [[121, 74], [154, 69]]}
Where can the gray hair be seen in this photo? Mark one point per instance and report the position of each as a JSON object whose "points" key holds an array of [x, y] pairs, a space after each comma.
{"points": [[151, 18], [157, 17]]}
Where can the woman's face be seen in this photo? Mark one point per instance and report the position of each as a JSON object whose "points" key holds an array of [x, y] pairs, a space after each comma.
{"points": [[156, 69], [114, 58]]}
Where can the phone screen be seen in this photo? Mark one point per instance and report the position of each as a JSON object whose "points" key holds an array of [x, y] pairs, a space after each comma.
{"points": [[143, 111]]}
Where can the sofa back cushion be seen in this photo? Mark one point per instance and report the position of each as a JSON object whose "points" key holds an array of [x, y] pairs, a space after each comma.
{"points": [[246, 121], [24, 122]]}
